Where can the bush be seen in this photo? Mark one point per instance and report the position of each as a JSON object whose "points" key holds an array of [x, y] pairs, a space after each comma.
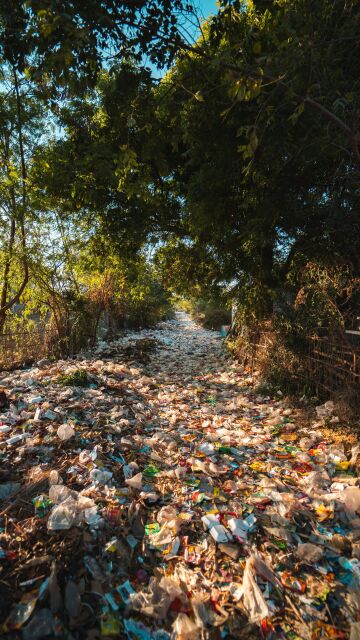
{"points": [[210, 313], [322, 302], [215, 318], [78, 378]]}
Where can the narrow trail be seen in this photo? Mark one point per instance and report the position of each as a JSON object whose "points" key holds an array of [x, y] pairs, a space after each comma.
{"points": [[162, 496]]}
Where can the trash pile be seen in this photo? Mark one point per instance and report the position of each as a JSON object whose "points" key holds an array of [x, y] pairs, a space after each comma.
{"points": [[147, 492]]}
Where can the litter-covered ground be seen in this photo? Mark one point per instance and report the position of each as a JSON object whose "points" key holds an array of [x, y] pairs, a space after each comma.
{"points": [[147, 492]]}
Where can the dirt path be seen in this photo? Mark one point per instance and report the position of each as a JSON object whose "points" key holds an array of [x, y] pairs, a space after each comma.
{"points": [[178, 501]]}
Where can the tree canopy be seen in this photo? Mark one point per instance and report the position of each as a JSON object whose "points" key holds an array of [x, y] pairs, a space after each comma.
{"points": [[234, 172]]}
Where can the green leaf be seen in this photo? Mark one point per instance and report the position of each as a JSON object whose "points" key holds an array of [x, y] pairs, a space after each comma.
{"points": [[297, 113]]}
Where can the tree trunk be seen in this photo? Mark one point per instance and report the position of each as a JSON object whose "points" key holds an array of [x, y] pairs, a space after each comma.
{"points": [[19, 214], [7, 266]]}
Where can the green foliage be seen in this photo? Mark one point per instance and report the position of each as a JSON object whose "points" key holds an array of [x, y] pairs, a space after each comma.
{"points": [[68, 43], [78, 378], [328, 298], [265, 163], [211, 313], [110, 170], [51, 59], [21, 124]]}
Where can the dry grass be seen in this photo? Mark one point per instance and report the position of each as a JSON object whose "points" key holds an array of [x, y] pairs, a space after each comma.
{"points": [[17, 349]]}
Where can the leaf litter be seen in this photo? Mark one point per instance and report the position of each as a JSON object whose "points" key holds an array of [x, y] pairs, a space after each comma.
{"points": [[147, 491]]}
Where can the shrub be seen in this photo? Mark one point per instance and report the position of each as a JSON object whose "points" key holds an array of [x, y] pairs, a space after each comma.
{"points": [[78, 378]]}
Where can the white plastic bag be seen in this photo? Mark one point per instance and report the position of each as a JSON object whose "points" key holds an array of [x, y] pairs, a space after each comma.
{"points": [[166, 514], [355, 631], [62, 516], [58, 493], [254, 601], [135, 482], [65, 432], [184, 628], [351, 498], [101, 476]]}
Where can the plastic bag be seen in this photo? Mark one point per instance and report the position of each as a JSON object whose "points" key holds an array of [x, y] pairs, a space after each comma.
{"points": [[201, 612], [41, 625], [21, 612], [72, 599], [149, 496], [354, 454], [101, 476], [63, 516], [264, 571], [325, 410], [58, 493], [166, 514], [130, 469], [184, 628], [220, 534], [172, 588], [154, 602], [84, 457], [165, 535], [355, 631], [65, 432], [351, 498], [92, 517], [253, 599], [135, 629], [135, 482]]}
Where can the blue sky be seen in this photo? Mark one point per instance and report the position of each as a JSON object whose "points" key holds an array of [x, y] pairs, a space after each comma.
{"points": [[207, 6], [204, 8]]}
